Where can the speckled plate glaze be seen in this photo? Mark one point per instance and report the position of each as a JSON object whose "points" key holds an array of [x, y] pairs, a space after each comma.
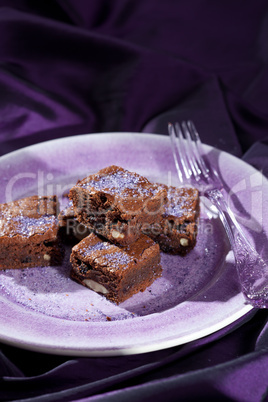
{"points": [[42, 309]]}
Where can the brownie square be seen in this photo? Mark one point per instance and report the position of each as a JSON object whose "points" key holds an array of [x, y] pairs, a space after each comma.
{"points": [[115, 272], [29, 233], [115, 203], [177, 229]]}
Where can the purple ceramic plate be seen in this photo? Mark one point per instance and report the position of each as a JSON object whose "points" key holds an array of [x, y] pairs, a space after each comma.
{"points": [[42, 309]]}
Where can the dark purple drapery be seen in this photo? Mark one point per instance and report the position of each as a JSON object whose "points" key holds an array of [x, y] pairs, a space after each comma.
{"points": [[74, 67]]}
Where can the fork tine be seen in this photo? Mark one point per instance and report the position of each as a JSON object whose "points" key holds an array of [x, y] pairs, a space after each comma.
{"points": [[184, 172], [182, 146], [198, 149], [190, 151], [176, 152], [187, 152]]}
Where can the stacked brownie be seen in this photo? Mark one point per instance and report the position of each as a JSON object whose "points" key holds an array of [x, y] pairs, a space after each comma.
{"points": [[130, 219], [116, 203], [116, 260]]}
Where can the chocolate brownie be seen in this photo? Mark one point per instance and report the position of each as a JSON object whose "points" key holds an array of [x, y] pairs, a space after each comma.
{"points": [[176, 231], [71, 231], [115, 272], [29, 233], [115, 203]]}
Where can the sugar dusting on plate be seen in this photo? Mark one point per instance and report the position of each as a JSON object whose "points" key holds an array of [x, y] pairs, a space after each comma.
{"points": [[50, 291]]}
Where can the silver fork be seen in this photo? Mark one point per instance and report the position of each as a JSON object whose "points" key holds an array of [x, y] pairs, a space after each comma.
{"points": [[193, 169]]}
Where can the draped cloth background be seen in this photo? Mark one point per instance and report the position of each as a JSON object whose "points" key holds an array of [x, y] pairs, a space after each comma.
{"points": [[83, 66]]}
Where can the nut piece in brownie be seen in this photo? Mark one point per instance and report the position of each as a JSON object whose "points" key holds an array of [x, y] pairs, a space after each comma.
{"points": [[71, 231], [177, 230], [115, 272], [29, 233], [115, 203]]}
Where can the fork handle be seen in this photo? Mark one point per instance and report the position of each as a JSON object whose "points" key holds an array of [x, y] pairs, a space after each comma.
{"points": [[252, 270]]}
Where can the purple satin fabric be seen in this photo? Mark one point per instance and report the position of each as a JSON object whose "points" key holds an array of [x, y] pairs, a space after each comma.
{"points": [[76, 67]]}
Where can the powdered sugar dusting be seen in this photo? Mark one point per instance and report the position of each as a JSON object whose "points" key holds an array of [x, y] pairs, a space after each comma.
{"points": [[118, 260], [25, 225], [50, 291], [120, 182], [88, 249], [114, 259], [178, 204], [180, 208], [100, 246]]}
